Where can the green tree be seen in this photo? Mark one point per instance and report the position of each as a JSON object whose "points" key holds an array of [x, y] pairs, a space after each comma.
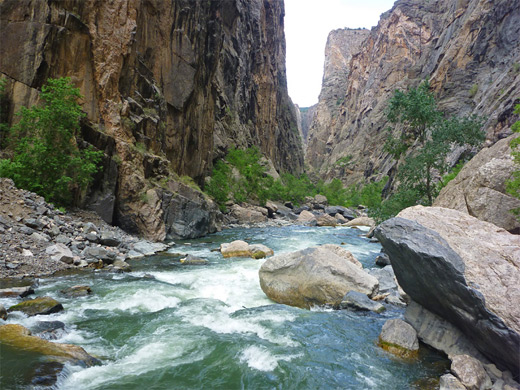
{"points": [[47, 159], [513, 185], [433, 135]]}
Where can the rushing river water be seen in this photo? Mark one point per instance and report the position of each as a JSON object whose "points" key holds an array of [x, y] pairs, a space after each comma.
{"points": [[171, 326]]}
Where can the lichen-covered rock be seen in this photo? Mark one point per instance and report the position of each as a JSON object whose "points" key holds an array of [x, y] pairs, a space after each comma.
{"points": [[38, 306], [470, 372], [313, 276], [462, 269], [260, 251], [20, 338], [399, 338]]}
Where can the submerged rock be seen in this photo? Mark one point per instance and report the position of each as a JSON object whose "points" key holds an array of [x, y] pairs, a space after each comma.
{"points": [[76, 291], [399, 338], [260, 251], [21, 292], [313, 276], [462, 269], [358, 301], [193, 260], [38, 306], [20, 338]]}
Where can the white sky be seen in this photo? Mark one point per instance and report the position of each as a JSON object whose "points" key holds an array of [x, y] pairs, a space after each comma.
{"points": [[307, 25]]}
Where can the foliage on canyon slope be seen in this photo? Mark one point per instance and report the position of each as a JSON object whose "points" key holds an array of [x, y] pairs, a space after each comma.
{"points": [[513, 185], [46, 158]]}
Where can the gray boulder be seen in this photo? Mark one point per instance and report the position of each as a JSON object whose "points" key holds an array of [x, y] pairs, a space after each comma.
{"points": [[193, 260], [60, 252], [21, 292], [382, 259], [386, 278], [109, 238], [3, 313], [306, 218], [345, 212], [248, 214], [470, 372], [313, 276], [449, 382], [399, 338], [99, 253], [462, 269], [358, 301]]}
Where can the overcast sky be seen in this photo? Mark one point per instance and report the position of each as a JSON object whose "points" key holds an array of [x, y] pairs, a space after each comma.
{"points": [[307, 25]]}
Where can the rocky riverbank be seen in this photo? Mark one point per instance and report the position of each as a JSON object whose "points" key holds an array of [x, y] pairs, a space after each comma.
{"points": [[36, 239]]}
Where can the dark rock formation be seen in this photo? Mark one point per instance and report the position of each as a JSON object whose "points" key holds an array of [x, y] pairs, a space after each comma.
{"points": [[470, 51], [462, 269], [168, 87]]}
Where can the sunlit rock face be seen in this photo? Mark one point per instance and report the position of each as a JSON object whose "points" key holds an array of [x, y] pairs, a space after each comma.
{"points": [[169, 86], [469, 49]]}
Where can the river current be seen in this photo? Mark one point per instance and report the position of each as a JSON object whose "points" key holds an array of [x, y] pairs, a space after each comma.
{"points": [[171, 326]]}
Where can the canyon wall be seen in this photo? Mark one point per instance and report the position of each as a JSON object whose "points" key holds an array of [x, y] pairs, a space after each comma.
{"points": [[168, 87], [470, 50]]}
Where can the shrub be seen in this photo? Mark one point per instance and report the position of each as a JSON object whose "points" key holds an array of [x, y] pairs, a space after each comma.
{"points": [[46, 157], [513, 185]]}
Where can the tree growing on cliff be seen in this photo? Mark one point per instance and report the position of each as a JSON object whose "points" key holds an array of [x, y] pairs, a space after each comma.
{"points": [[513, 185], [46, 157], [433, 135]]}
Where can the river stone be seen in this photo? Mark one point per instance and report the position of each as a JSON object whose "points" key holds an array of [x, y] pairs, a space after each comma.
{"points": [[313, 276], [76, 291], [260, 251], [146, 248], [193, 260], [3, 313], [359, 301], [307, 218], [99, 253], [60, 252], [399, 338], [271, 209], [449, 382], [361, 221], [386, 278], [237, 248], [20, 338], [21, 292], [382, 259], [49, 330], [326, 220], [109, 239], [248, 214], [38, 306], [340, 219], [470, 372], [462, 269], [343, 211], [343, 253], [121, 266]]}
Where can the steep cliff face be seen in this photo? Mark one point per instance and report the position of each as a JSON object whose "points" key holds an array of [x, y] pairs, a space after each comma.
{"points": [[306, 118], [470, 51], [169, 86]]}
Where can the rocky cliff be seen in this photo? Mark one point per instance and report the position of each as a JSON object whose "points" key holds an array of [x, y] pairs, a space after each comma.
{"points": [[468, 48], [168, 87]]}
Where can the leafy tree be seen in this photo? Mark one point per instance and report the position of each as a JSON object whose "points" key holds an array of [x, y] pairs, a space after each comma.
{"points": [[47, 159], [513, 185], [433, 135]]}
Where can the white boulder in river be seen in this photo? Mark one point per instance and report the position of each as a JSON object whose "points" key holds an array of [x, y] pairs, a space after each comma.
{"points": [[314, 276]]}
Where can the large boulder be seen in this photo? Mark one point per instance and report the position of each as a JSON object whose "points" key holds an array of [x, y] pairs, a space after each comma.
{"points": [[470, 372], [361, 221], [248, 214], [313, 276], [326, 220], [237, 248], [462, 269], [306, 218], [358, 301], [20, 338], [480, 187]]}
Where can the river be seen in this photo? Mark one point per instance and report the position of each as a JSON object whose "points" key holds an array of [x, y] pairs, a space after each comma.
{"points": [[171, 326]]}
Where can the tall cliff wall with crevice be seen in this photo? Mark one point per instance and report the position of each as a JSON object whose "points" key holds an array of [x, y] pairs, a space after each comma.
{"points": [[168, 87], [470, 50]]}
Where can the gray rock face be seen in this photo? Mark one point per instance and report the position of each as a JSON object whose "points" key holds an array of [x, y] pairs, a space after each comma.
{"points": [[386, 278], [313, 276], [399, 338], [439, 333], [462, 269], [358, 301]]}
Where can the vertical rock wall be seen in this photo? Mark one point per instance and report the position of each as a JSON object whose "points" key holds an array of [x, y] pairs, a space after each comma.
{"points": [[470, 50], [169, 86]]}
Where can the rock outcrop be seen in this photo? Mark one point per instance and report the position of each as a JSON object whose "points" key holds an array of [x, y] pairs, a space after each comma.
{"points": [[168, 87], [470, 51], [480, 188], [313, 276], [462, 269]]}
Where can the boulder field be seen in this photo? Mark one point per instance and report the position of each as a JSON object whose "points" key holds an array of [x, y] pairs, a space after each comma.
{"points": [[465, 271]]}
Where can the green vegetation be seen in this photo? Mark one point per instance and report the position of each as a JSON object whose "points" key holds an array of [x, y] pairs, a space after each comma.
{"points": [[415, 115], [343, 161], [473, 90], [46, 158], [513, 185]]}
